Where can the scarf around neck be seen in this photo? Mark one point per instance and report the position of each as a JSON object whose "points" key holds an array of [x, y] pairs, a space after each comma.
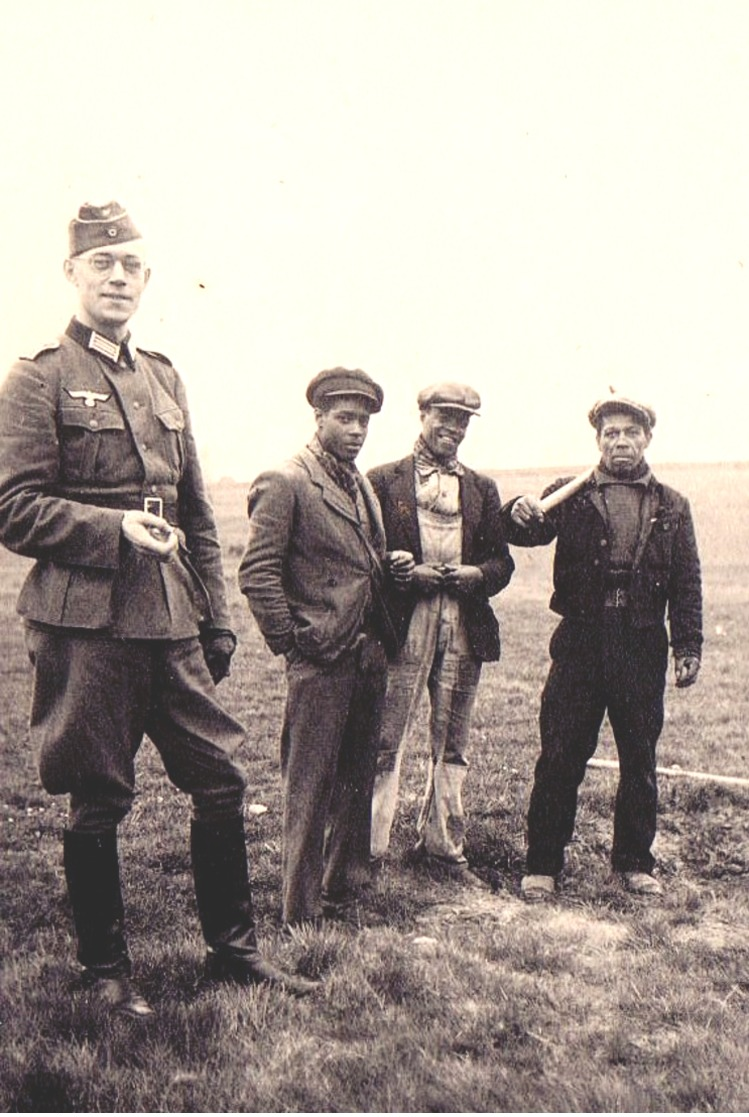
{"points": [[342, 474], [427, 464]]}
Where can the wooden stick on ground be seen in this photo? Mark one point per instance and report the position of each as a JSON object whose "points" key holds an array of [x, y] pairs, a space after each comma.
{"points": [[734, 781]]}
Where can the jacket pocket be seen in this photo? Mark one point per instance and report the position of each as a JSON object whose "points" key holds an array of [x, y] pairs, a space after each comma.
{"points": [[313, 630], [172, 419], [83, 432]]}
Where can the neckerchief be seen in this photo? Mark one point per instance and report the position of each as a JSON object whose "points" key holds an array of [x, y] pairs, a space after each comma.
{"points": [[426, 463], [341, 473]]}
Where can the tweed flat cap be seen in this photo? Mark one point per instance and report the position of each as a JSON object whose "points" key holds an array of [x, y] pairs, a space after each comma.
{"points": [[641, 411], [448, 394], [332, 382], [100, 226]]}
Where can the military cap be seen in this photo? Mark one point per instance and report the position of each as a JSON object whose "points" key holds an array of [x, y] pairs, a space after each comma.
{"points": [[331, 382], [641, 411], [447, 394], [100, 226]]}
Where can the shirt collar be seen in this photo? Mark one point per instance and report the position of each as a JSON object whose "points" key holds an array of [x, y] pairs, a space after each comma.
{"points": [[116, 352]]}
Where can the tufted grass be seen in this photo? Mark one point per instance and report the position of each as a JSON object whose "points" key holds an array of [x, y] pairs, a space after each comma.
{"points": [[439, 998]]}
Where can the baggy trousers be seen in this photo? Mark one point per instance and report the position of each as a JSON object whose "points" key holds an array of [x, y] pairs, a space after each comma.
{"points": [[328, 755], [436, 657], [608, 666], [93, 700]]}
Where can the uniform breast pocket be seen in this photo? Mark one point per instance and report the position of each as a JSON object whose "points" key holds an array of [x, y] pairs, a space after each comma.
{"points": [[88, 436], [172, 424]]}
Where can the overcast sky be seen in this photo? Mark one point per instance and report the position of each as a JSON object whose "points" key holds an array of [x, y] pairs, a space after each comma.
{"points": [[542, 198]]}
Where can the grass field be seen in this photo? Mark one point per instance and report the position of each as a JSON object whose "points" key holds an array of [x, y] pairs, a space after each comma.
{"points": [[443, 999]]}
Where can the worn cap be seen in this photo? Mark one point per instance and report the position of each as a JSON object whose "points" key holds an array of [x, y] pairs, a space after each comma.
{"points": [[641, 411], [332, 382], [447, 394], [97, 226]]}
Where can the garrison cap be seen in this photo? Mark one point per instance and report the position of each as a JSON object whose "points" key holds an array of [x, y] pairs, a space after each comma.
{"points": [[331, 382], [641, 411], [99, 227], [447, 394]]}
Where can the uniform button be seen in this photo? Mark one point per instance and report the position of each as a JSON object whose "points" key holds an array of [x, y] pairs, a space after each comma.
{"points": [[93, 423], [154, 488], [604, 542], [144, 448], [136, 405]]}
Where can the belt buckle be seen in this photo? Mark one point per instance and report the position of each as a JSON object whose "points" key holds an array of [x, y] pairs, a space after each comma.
{"points": [[620, 597]]}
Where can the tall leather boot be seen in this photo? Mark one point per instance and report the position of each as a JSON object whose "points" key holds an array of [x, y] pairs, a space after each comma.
{"points": [[92, 872], [224, 898]]}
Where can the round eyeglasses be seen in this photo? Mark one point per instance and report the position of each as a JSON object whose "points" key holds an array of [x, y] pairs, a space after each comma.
{"points": [[105, 262]]}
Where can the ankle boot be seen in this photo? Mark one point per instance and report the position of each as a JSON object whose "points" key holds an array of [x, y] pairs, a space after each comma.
{"points": [[224, 899]]}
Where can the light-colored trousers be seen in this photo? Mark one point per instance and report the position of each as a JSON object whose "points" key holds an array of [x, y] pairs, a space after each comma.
{"points": [[436, 657]]}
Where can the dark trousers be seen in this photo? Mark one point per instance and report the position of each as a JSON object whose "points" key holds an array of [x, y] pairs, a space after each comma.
{"points": [[328, 757], [597, 668], [93, 700]]}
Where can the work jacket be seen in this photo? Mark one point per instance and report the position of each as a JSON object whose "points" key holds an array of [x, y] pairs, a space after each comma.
{"points": [[665, 570], [84, 438], [483, 545], [309, 569]]}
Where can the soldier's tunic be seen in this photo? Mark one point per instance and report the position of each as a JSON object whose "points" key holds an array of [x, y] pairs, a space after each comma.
{"points": [[88, 430]]}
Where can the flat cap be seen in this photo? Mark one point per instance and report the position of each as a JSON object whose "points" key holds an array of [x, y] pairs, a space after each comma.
{"points": [[331, 382], [641, 411], [447, 394], [97, 226]]}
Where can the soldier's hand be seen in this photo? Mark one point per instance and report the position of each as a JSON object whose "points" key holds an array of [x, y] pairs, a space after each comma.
{"points": [[686, 669], [526, 509], [218, 648], [149, 534], [428, 580], [464, 580]]}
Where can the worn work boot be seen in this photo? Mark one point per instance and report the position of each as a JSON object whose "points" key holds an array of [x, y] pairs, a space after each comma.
{"points": [[442, 868], [641, 884], [536, 887], [254, 971], [224, 898], [119, 995]]}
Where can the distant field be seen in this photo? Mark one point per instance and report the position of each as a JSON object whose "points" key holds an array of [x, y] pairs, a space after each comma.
{"points": [[441, 1000]]}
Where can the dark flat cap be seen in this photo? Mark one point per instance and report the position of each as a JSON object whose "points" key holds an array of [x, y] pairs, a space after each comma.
{"points": [[447, 394], [331, 382], [641, 411], [97, 226]]}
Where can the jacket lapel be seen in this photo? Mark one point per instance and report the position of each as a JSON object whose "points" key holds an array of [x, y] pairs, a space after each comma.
{"points": [[650, 505], [375, 515], [596, 499], [470, 507], [334, 497], [403, 498]]}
